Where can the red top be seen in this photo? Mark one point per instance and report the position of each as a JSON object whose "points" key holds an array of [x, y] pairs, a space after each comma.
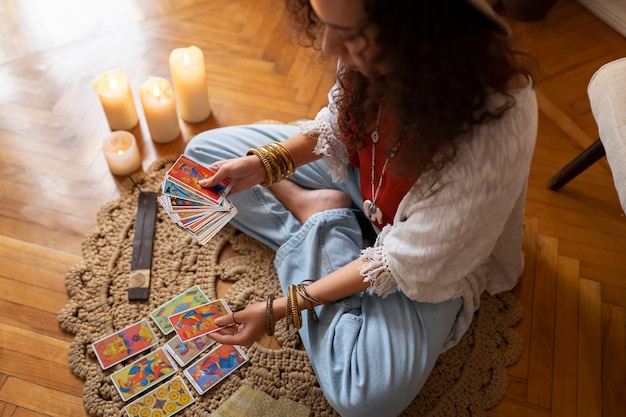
{"points": [[393, 188]]}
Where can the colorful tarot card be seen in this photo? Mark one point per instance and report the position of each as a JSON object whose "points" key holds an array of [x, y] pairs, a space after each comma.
{"points": [[191, 207], [191, 297], [207, 231], [180, 205], [143, 374], [179, 202], [165, 401], [216, 365], [199, 320], [185, 352], [174, 188], [189, 173], [125, 343]]}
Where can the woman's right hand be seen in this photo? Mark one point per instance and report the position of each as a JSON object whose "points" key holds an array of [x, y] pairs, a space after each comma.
{"points": [[243, 172]]}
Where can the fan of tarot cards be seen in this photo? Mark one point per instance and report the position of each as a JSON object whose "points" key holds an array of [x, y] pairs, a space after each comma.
{"points": [[200, 211]]}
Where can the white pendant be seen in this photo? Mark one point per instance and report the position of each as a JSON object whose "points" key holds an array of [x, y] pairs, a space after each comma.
{"points": [[372, 211]]}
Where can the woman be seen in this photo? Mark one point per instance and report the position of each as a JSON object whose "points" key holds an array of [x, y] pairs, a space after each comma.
{"points": [[429, 132]]}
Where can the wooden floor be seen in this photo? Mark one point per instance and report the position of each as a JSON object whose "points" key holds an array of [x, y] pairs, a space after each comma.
{"points": [[53, 179]]}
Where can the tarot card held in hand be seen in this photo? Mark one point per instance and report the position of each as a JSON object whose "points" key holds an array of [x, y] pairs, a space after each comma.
{"points": [[202, 212], [199, 321], [189, 298], [216, 365], [185, 352], [123, 344], [165, 401], [143, 374]]}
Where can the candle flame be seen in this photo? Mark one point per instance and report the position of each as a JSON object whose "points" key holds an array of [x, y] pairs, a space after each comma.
{"points": [[119, 152], [112, 83], [156, 91], [186, 60]]}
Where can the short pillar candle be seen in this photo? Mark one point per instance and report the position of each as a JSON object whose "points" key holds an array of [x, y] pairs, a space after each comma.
{"points": [[116, 98], [190, 85], [121, 153], [159, 107]]}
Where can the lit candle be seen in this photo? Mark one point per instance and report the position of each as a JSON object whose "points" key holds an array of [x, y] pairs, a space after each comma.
{"points": [[189, 76], [121, 153], [159, 106], [116, 98]]}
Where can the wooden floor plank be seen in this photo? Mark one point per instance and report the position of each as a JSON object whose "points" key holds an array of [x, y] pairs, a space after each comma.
{"points": [[589, 350], [541, 350], [508, 408], [42, 299], [29, 343], [37, 372], [565, 376], [614, 360], [40, 399]]}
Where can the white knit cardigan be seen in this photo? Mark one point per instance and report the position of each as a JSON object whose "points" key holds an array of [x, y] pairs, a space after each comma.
{"points": [[458, 231]]}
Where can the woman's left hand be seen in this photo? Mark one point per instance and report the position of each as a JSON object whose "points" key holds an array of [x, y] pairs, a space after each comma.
{"points": [[248, 327]]}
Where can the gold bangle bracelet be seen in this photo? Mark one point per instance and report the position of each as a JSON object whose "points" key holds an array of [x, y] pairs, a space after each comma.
{"points": [[285, 156], [292, 302], [309, 304], [277, 161], [269, 316], [269, 172]]}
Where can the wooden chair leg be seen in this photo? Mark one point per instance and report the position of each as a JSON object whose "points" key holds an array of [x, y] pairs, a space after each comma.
{"points": [[583, 161]]}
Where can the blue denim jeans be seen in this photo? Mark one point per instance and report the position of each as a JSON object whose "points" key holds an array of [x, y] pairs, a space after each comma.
{"points": [[371, 355]]}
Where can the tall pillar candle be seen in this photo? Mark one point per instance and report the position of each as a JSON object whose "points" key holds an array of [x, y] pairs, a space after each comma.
{"points": [[189, 77], [159, 107], [121, 152], [116, 98]]}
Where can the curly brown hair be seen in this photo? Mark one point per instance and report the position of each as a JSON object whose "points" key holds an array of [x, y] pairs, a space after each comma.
{"points": [[446, 59]]}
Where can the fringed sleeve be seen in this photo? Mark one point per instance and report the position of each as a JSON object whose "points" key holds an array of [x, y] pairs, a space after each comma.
{"points": [[329, 144], [376, 270]]}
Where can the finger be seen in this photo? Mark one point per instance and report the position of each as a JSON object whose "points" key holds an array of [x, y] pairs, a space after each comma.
{"points": [[226, 331], [227, 320], [225, 339], [215, 179]]}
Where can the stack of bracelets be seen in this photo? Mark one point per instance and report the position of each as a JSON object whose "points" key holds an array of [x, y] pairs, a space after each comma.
{"points": [[277, 161], [293, 315]]}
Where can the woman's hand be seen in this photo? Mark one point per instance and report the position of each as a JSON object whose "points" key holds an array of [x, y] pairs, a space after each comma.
{"points": [[250, 327], [243, 172]]}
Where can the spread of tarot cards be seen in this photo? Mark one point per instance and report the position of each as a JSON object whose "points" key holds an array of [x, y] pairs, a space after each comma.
{"points": [[154, 379], [202, 212]]}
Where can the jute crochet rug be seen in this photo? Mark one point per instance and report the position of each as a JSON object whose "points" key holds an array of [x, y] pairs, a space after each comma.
{"points": [[467, 380]]}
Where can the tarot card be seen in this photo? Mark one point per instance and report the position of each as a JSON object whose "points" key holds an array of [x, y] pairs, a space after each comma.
{"points": [[185, 352], [204, 234], [186, 204], [184, 219], [173, 188], [189, 298], [199, 320], [190, 172], [178, 205], [165, 401], [143, 374], [216, 365], [125, 343]]}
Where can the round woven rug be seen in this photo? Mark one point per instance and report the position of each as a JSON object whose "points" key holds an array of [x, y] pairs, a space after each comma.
{"points": [[467, 380]]}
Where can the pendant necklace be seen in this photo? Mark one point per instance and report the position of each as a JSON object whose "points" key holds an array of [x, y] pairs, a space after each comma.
{"points": [[372, 211]]}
